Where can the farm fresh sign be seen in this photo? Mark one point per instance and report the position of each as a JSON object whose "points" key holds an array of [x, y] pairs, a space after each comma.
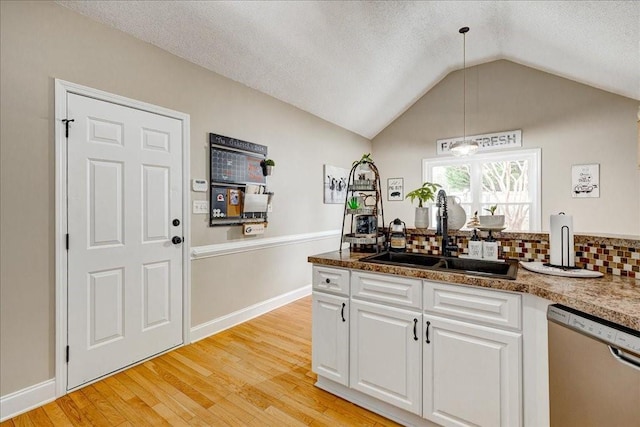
{"points": [[487, 142]]}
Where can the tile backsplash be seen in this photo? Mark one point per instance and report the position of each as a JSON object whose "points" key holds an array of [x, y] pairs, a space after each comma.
{"points": [[613, 255]]}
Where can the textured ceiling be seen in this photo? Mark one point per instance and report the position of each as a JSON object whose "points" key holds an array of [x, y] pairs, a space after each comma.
{"points": [[360, 65]]}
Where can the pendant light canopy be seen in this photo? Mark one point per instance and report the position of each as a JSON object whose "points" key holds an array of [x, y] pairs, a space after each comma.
{"points": [[464, 147]]}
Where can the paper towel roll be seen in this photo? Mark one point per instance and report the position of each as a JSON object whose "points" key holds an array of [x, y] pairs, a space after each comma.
{"points": [[561, 240]]}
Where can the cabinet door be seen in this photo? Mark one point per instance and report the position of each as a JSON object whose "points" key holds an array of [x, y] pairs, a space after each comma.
{"points": [[471, 374], [386, 351], [330, 337]]}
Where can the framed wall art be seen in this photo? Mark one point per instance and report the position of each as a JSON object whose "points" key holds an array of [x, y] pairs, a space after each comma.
{"points": [[335, 184], [395, 189], [585, 181]]}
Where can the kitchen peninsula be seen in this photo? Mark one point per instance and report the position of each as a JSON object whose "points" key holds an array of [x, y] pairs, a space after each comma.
{"points": [[421, 346]]}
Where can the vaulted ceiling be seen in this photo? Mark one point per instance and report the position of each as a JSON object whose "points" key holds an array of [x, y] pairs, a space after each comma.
{"points": [[360, 65]]}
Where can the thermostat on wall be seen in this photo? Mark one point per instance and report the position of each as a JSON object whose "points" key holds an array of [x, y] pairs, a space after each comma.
{"points": [[199, 185]]}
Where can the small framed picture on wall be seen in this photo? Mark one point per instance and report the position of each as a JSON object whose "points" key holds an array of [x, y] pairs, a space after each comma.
{"points": [[585, 180], [395, 189]]}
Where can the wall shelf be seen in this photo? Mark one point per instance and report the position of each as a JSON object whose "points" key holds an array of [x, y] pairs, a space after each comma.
{"points": [[238, 185]]}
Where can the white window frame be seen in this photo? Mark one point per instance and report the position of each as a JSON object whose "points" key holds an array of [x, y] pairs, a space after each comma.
{"points": [[533, 155]]}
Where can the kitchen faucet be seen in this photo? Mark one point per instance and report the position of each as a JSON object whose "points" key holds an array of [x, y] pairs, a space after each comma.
{"points": [[442, 227]]}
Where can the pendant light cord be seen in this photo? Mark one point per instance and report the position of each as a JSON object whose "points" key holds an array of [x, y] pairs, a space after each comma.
{"points": [[464, 31]]}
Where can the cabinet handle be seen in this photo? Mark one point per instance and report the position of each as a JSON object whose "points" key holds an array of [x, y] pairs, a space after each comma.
{"points": [[415, 329], [342, 312], [428, 324], [328, 280]]}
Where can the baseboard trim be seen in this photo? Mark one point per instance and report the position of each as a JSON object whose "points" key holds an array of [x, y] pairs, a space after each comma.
{"points": [[254, 244], [214, 326], [26, 399], [379, 407]]}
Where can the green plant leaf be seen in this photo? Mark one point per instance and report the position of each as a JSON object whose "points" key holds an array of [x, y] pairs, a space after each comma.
{"points": [[424, 194], [491, 209], [366, 158]]}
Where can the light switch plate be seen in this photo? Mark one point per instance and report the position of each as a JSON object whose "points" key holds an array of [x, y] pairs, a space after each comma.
{"points": [[200, 207], [199, 185]]}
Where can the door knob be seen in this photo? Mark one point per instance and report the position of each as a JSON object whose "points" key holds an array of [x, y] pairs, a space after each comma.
{"points": [[176, 240]]}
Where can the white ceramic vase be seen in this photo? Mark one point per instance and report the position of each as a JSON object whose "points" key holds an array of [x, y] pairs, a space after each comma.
{"points": [[457, 217], [422, 218]]}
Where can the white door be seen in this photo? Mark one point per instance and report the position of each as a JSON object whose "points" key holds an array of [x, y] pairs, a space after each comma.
{"points": [[125, 273], [330, 337], [471, 375], [386, 354]]}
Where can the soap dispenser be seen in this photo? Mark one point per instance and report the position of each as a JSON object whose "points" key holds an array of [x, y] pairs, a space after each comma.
{"points": [[475, 245], [490, 248], [397, 236]]}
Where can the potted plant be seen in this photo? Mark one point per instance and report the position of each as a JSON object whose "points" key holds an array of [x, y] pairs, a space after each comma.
{"points": [[366, 158], [267, 166], [492, 220], [424, 194]]}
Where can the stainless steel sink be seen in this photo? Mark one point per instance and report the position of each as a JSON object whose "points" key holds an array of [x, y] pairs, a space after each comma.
{"points": [[474, 267]]}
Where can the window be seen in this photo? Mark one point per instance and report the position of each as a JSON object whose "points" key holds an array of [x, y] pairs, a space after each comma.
{"points": [[508, 179]]}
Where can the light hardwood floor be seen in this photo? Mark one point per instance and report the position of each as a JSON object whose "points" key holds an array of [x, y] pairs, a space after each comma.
{"points": [[255, 374]]}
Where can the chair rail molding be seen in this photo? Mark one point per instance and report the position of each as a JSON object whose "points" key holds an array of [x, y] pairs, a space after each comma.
{"points": [[199, 252]]}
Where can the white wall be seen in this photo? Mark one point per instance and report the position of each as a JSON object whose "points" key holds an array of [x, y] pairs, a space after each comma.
{"points": [[572, 123]]}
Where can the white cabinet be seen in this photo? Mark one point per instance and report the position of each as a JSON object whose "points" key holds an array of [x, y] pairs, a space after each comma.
{"points": [[419, 352], [387, 289], [386, 354], [332, 280], [484, 306], [472, 373], [330, 337], [330, 324]]}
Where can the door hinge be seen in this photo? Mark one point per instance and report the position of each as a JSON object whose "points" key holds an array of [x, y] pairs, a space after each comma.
{"points": [[66, 124], [67, 354], [67, 241]]}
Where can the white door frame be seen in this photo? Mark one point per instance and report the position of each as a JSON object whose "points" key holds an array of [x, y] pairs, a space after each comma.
{"points": [[62, 88]]}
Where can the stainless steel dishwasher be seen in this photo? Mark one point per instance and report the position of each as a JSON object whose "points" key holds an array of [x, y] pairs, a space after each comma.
{"points": [[594, 371]]}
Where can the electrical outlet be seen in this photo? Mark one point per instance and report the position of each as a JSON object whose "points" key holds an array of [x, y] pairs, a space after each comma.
{"points": [[269, 207], [200, 207]]}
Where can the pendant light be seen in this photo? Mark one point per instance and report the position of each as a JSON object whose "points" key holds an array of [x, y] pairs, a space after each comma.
{"points": [[464, 147]]}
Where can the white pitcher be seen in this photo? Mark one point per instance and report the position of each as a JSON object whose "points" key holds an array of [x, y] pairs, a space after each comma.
{"points": [[457, 217]]}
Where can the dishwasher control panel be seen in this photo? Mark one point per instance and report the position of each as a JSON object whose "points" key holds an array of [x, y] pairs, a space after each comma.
{"points": [[594, 327]]}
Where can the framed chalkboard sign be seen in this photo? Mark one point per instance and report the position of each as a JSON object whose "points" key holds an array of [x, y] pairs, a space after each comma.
{"points": [[236, 167], [236, 161]]}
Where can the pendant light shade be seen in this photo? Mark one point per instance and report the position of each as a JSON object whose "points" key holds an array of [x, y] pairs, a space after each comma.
{"points": [[464, 147]]}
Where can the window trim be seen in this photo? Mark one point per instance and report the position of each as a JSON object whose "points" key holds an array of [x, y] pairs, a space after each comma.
{"points": [[533, 155]]}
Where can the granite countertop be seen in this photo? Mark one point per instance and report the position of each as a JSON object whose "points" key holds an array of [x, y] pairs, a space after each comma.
{"points": [[613, 298]]}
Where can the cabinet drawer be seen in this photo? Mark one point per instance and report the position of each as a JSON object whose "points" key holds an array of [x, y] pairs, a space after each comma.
{"points": [[479, 305], [334, 280], [386, 289]]}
